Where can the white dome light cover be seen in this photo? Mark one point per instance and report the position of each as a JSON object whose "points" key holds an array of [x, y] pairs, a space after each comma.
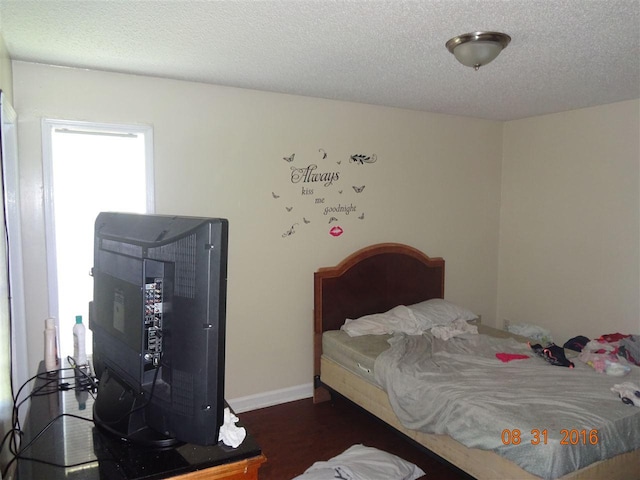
{"points": [[478, 48]]}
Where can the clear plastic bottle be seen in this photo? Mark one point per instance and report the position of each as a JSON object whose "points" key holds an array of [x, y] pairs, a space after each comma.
{"points": [[79, 345], [51, 358], [81, 396]]}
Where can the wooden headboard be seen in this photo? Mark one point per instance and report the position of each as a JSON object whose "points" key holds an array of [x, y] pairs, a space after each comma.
{"points": [[372, 280]]}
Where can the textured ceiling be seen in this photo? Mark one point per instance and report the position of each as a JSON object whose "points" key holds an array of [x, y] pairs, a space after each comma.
{"points": [[563, 54]]}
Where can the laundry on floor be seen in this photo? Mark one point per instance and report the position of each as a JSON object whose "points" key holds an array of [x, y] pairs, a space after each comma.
{"points": [[359, 462]]}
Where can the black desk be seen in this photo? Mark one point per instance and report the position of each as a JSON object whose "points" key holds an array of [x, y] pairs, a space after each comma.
{"points": [[90, 454]]}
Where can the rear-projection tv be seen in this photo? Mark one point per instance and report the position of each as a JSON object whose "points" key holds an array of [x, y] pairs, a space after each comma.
{"points": [[158, 320]]}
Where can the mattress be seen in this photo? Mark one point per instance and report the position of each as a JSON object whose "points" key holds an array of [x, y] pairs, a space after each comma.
{"points": [[358, 354]]}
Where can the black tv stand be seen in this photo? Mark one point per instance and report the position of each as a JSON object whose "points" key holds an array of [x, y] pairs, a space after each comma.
{"points": [[119, 411]]}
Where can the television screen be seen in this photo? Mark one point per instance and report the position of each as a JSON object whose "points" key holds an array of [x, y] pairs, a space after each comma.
{"points": [[158, 321]]}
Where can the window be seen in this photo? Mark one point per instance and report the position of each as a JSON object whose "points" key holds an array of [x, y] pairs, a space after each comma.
{"points": [[88, 168]]}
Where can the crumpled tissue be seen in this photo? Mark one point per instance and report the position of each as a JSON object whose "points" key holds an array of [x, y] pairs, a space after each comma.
{"points": [[230, 434]]}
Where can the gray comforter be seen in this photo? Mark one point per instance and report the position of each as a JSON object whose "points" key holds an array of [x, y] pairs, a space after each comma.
{"points": [[550, 420]]}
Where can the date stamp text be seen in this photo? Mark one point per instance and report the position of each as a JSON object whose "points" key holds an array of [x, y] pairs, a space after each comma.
{"points": [[537, 436]]}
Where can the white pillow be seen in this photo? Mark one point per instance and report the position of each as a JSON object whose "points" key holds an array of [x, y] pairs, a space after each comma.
{"points": [[438, 311], [363, 463], [398, 319]]}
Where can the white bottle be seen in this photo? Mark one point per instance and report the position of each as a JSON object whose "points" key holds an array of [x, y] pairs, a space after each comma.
{"points": [[79, 346], [51, 358]]}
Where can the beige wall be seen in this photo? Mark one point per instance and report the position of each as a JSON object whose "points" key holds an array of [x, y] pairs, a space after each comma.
{"points": [[6, 75], [569, 230], [219, 152], [559, 195]]}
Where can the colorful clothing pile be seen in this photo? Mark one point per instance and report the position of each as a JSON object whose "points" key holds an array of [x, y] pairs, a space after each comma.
{"points": [[630, 349], [604, 354]]}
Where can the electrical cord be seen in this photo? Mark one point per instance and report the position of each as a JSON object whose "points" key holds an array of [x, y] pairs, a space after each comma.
{"points": [[18, 455], [84, 381], [53, 383], [16, 405], [50, 378], [139, 407]]}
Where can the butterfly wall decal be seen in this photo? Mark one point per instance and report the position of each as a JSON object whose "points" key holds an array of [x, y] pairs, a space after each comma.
{"points": [[290, 232], [362, 159], [289, 159], [358, 189]]}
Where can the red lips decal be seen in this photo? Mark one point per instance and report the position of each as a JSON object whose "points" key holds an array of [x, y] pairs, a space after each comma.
{"points": [[336, 231]]}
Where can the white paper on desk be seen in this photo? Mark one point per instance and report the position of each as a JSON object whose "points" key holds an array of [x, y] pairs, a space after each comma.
{"points": [[230, 434]]}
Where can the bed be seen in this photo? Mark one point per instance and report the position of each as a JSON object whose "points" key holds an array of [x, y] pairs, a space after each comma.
{"points": [[380, 277]]}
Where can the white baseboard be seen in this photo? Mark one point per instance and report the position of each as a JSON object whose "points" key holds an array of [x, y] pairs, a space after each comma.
{"points": [[268, 399]]}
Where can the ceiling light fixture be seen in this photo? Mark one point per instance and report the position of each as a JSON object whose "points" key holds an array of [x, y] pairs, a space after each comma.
{"points": [[478, 48]]}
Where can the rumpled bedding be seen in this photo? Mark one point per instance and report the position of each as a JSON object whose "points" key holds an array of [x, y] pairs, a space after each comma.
{"points": [[459, 388]]}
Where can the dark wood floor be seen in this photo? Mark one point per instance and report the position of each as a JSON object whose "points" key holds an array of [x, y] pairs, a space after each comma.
{"points": [[295, 435]]}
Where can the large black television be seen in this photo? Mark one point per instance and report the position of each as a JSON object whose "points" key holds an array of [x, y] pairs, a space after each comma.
{"points": [[158, 320]]}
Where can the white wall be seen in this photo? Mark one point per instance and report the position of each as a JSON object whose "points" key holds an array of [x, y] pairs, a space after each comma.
{"points": [[569, 234], [6, 403], [6, 74], [219, 152], [566, 188]]}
